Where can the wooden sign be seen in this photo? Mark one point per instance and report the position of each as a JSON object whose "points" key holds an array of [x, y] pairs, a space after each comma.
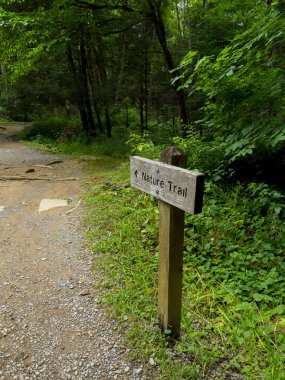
{"points": [[176, 186], [178, 190]]}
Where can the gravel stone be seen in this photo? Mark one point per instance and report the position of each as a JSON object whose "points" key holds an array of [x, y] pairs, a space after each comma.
{"points": [[52, 324]]}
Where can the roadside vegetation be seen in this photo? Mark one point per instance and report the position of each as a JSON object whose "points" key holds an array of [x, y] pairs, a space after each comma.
{"points": [[233, 318], [107, 79]]}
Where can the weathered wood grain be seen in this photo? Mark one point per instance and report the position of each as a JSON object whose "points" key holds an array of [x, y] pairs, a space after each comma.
{"points": [[171, 241], [174, 185], [178, 190]]}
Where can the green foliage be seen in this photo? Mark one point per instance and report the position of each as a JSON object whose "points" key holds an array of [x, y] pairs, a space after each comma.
{"points": [[208, 157], [238, 241], [233, 277], [143, 144], [244, 89], [233, 273], [233, 305], [217, 22], [125, 117], [65, 136], [265, 199], [49, 128], [155, 139], [205, 156], [115, 147]]}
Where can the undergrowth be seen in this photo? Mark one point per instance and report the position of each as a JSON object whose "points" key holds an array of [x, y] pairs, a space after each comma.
{"points": [[59, 135], [233, 301], [7, 121], [233, 315]]}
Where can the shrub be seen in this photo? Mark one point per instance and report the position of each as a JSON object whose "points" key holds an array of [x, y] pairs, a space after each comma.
{"points": [[50, 128]]}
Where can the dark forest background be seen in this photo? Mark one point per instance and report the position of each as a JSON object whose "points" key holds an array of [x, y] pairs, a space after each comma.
{"points": [[120, 77]]}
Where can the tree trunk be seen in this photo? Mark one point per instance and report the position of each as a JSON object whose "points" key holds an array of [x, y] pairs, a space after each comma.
{"points": [[104, 83], [146, 92], [281, 5], [187, 21], [141, 100], [108, 122], [121, 66], [98, 115], [127, 116], [156, 17], [85, 88], [2, 66], [180, 30], [92, 86], [79, 98], [145, 76]]}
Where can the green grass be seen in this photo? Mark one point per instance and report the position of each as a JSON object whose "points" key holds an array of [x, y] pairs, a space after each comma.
{"points": [[225, 332], [57, 135], [48, 128], [233, 315], [6, 121]]}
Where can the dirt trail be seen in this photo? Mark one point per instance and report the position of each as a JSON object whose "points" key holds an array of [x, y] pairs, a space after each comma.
{"points": [[51, 325]]}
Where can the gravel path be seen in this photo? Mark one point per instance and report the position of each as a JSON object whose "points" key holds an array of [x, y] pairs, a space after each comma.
{"points": [[51, 323]]}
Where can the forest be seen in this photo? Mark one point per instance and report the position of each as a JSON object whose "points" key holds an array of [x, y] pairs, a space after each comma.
{"points": [[121, 77]]}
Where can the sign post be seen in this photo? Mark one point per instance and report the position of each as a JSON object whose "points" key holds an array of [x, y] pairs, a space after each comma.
{"points": [[178, 190]]}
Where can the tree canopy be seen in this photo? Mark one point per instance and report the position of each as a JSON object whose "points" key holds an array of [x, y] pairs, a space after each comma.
{"points": [[215, 66], [136, 76]]}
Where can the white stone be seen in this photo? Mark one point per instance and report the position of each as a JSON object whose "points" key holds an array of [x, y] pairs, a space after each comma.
{"points": [[1, 208], [48, 204]]}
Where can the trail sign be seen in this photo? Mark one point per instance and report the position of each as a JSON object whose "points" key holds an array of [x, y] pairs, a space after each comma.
{"points": [[179, 187], [178, 190]]}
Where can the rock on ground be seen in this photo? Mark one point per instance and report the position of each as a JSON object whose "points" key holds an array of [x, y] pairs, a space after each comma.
{"points": [[51, 324]]}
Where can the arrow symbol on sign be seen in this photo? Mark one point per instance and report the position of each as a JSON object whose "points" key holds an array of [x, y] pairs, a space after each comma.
{"points": [[136, 174]]}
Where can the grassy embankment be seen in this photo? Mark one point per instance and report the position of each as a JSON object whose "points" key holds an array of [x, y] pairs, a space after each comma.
{"points": [[233, 317]]}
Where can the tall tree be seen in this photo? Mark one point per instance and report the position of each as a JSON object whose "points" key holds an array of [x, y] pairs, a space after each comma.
{"points": [[155, 14]]}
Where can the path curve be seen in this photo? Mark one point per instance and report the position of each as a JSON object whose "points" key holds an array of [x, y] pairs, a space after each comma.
{"points": [[51, 325]]}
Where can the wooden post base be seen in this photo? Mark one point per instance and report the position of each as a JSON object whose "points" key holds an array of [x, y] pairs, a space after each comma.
{"points": [[171, 242]]}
